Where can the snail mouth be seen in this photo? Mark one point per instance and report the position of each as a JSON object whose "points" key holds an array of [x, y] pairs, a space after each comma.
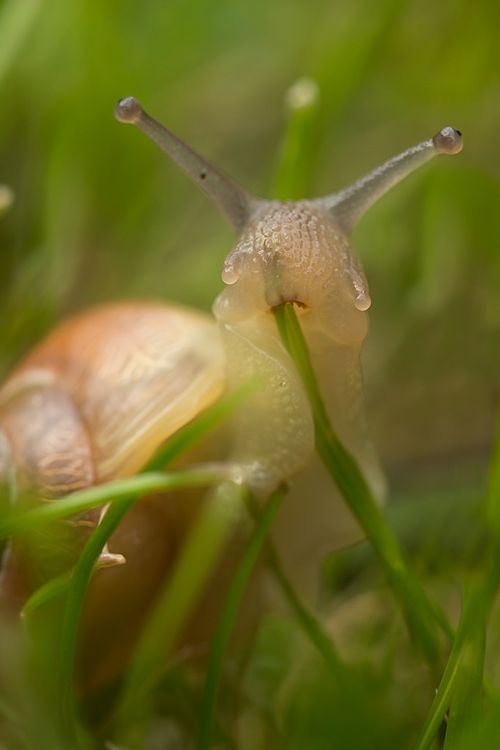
{"points": [[297, 303]]}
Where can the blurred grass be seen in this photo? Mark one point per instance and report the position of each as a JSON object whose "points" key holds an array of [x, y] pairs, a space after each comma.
{"points": [[228, 616], [98, 215]]}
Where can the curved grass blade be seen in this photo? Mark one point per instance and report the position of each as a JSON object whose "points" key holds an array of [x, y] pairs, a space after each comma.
{"points": [[83, 572], [80, 580], [471, 624], [228, 615], [422, 616], [112, 492], [441, 701], [181, 442], [352, 691], [466, 702], [310, 624], [461, 686], [204, 424], [48, 592]]}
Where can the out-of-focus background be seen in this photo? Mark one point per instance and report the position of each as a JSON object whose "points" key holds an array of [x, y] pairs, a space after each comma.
{"points": [[93, 212], [99, 214]]}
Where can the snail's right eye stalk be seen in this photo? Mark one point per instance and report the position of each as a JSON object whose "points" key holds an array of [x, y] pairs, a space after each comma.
{"points": [[349, 205]]}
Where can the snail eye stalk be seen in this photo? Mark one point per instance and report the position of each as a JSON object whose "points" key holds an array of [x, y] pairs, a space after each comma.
{"points": [[349, 205], [233, 201]]}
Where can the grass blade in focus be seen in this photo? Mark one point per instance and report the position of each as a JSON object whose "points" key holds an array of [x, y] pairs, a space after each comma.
{"points": [[458, 664], [112, 492], [461, 686], [421, 615]]}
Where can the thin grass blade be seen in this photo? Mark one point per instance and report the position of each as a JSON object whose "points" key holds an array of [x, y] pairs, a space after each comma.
{"points": [[228, 615], [422, 616], [118, 491], [196, 562], [292, 174]]}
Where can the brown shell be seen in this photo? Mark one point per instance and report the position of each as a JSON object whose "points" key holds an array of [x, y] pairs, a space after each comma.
{"points": [[93, 402], [106, 388]]}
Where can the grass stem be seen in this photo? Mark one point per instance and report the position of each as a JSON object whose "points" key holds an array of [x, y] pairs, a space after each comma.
{"points": [[228, 616], [422, 616]]}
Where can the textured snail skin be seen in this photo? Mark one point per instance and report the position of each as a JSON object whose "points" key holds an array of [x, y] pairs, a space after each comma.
{"points": [[296, 252]]}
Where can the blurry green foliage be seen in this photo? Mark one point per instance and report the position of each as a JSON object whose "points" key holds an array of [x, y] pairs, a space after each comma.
{"points": [[98, 214]]}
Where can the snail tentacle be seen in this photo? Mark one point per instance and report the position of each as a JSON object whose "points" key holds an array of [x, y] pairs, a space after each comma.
{"points": [[232, 200], [349, 205]]}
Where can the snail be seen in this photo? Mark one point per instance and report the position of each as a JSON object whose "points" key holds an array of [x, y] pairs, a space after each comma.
{"points": [[98, 396]]}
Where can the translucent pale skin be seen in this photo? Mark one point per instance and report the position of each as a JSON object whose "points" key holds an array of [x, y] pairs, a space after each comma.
{"points": [[297, 252]]}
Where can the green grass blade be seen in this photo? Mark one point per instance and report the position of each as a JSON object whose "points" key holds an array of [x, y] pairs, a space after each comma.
{"points": [[181, 442], [292, 173], [85, 567], [112, 492], [351, 690], [79, 583], [421, 615], [465, 712], [228, 615], [441, 701], [466, 703], [48, 592], [310, 625], [192, 569], [468, 645], [204, 424]]}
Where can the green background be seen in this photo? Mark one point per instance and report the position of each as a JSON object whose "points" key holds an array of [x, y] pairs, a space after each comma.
{"points": [[100, 215]]}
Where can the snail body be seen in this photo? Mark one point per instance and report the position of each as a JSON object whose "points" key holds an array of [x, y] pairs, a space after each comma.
{"points": [[96, 399]]}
